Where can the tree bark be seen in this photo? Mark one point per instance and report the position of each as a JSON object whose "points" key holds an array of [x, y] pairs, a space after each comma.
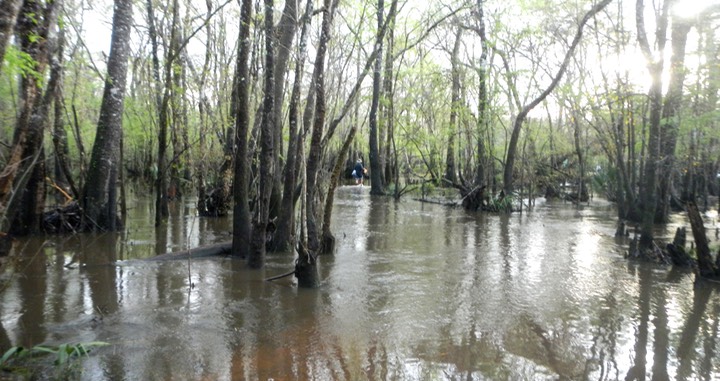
{"points": [[306, 267], [283, 36], [22, 192], [283, 237], [376, 183], [241, 213], [450, 166], [99, 202], [648, 190], [670, 116], [328, 240], [267, 135]]}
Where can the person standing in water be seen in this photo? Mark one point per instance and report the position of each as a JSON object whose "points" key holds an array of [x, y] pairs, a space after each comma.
{"points": [[358, 172]]}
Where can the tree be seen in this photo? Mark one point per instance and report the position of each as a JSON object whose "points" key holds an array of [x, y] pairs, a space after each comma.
{"points": [[267, 135], [22, 191], [525, 110], [648, 189], [376, 178], [8, 16], [241, 213], [100, 197]]}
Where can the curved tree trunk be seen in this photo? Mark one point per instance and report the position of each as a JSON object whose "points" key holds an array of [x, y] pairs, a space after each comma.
{"points": [[520, 119], [99, 202], [328, 240]]}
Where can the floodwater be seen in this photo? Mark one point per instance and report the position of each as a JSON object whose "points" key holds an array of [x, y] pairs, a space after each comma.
{"points": [[413, 292]]}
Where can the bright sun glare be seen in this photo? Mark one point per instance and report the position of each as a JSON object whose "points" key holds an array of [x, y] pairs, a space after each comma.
{"points": [[692, 8]]}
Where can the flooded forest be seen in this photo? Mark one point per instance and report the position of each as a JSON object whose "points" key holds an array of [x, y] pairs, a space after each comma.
{"points": [[349, 190]]}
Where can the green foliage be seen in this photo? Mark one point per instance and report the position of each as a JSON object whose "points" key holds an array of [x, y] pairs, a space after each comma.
{"points": [[19, 359], [19, 62]]}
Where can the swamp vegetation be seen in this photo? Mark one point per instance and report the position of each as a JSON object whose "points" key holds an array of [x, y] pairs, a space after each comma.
{"points": [[257, 111]]}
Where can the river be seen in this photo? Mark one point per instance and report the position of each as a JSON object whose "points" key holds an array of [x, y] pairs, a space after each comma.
{"points": [[414, 291]]}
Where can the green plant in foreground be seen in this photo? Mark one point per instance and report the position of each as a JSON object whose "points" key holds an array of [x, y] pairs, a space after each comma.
{"points": [[18, 358]]}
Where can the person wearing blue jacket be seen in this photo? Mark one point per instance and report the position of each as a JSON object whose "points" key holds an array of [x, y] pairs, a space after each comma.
{"points": [[358, 172]]}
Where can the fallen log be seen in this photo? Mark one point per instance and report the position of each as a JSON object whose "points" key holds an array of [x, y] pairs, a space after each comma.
{"points": [[217, 249]]}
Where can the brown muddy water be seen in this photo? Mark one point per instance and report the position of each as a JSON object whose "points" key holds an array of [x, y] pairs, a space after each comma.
{"points": [[414, 292]]}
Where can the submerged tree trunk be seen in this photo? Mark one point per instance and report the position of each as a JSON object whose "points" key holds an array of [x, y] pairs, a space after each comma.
{"points": [[450, 167], [328, 240], [306, 267], [267, 135], [283, 237], [648, 190], [376, 184], [99, 199], [22, 191], [241, 213], [283, 38]]}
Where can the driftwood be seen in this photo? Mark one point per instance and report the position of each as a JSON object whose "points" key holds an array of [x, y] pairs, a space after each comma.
{"points": [[217, 249]]}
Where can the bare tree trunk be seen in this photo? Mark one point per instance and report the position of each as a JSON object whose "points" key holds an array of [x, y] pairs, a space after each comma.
{"points": [[482, 95], [282, 240], [284, 35], [670, 116], [241, 213], [306, 267], [648, 190], [450, 166], [22, 191], [328, 240], [99, 201], [267, 135], [63, 174], [376, 183]]}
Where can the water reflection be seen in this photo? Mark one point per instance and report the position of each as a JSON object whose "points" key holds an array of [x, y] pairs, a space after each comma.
{"points": [[413, 291]]}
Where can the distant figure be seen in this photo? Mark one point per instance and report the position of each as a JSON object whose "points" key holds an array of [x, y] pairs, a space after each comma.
{"points": [[358, 172]]}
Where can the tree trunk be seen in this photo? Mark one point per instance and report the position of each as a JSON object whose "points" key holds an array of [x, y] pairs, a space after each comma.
{"points": [[283, 237], [99, 201], [284, 35], [63, 174], [450, 167], [241, 213], [482, 122], [267, 135], [670, 116], [376, 185], [306, 267], [648, 190], [22, 191], [328, 240], [706, 267]]}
